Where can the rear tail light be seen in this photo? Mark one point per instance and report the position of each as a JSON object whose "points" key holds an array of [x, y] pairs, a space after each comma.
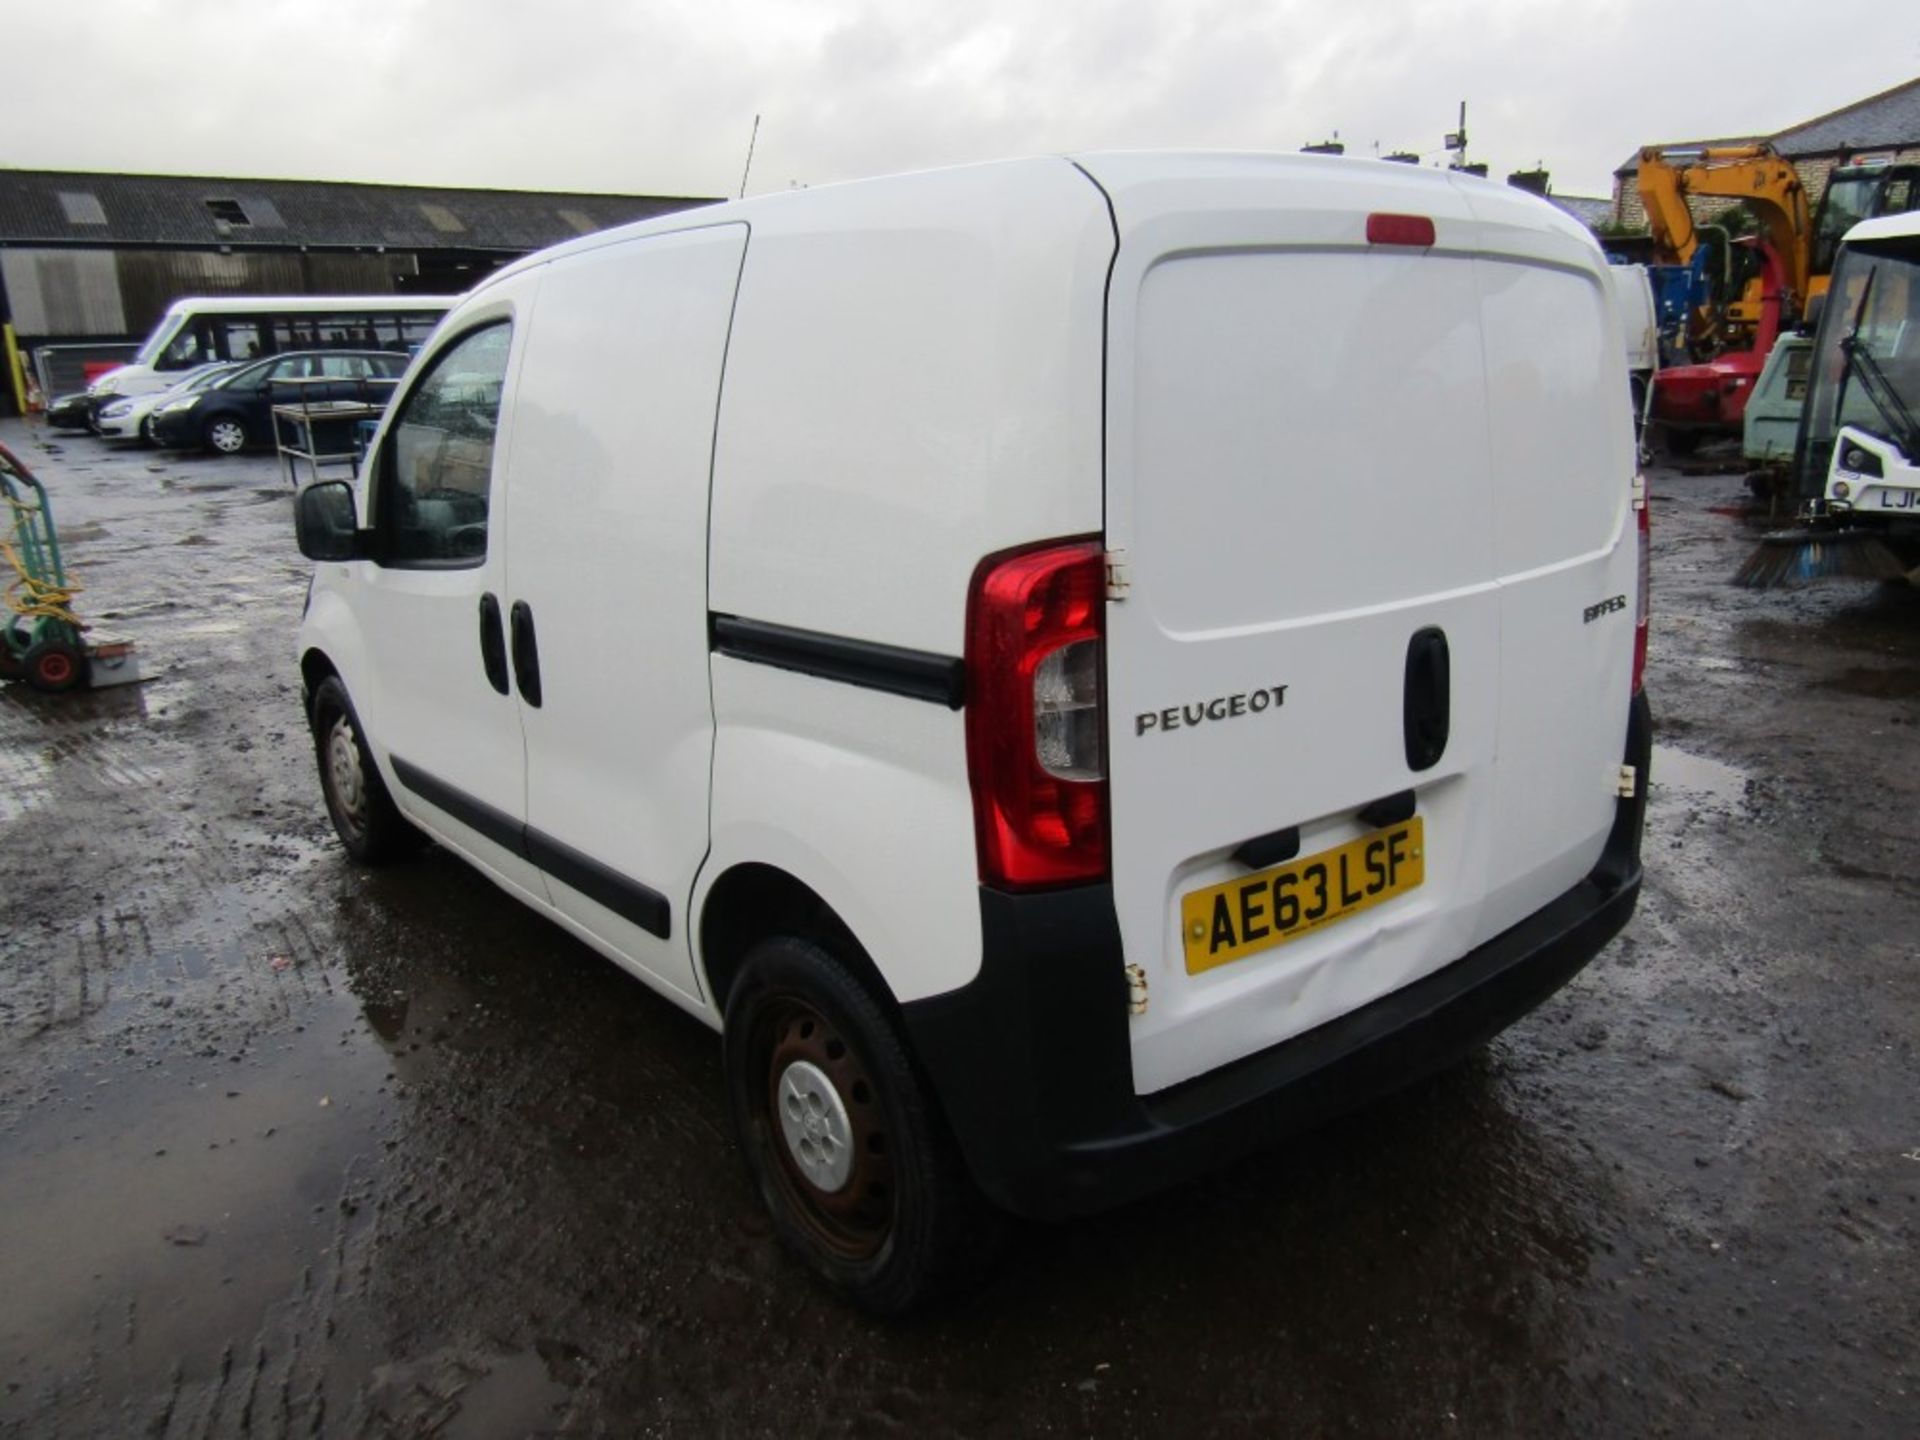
{"points": [[1036, 729], [1644, 589], [1386, 229]]}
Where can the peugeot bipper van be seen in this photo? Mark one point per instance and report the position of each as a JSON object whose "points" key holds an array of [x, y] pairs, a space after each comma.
{"points": [[1075, 667]]}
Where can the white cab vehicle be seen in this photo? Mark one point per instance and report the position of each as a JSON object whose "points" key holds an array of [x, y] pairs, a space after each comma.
{"points": [[130, 417], [1077, 667], [1858, 454], [1639, 328]]}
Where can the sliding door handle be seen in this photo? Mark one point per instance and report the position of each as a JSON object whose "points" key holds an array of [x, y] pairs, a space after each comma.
{"points": [[493, 643], [526, 653]]}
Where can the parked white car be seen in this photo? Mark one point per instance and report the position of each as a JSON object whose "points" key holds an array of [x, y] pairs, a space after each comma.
{"points": [[130, 418], [1068, 664]]}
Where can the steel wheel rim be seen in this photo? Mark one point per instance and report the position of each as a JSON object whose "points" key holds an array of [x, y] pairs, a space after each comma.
{"points": [[795, 1042], [55, 668], [346, 781], [227, 436]]}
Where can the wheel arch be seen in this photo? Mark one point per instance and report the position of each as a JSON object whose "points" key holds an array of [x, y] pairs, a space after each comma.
{"points": [[315, 667], [753, 901]]}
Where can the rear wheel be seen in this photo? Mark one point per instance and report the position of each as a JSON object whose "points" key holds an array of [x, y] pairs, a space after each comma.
{"points": [[844, 1141], [225, 435], [363, 813]]}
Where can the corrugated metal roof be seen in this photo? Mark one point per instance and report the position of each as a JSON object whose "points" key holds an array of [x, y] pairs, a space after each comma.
{"points": [[45, 206]]}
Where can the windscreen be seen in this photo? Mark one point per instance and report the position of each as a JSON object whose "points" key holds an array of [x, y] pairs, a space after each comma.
{"points": [[1866, 368], [157, 342], [1849, 200]]}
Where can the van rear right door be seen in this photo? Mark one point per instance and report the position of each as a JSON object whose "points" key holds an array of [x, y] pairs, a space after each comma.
{"points": [[1305, 492]]}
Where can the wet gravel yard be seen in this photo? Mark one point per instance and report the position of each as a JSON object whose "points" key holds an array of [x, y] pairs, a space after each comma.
{"points": [[288, 1147]]}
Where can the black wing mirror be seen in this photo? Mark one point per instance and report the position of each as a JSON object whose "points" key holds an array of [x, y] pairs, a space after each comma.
{"points": [[324, 522]]}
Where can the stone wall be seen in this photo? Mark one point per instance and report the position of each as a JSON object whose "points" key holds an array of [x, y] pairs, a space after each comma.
{"points": [[1630, 215]]}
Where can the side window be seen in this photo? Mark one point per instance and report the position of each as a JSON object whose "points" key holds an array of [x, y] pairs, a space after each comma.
{"points": [[241, 339], [345, 367], [437, 461]]}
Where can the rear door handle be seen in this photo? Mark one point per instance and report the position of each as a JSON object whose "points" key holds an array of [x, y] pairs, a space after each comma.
{"points": [[493, 643], [526, 653], [1428, 706]]}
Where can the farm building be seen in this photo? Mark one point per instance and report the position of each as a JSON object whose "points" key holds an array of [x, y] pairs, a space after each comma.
{"points": [[90, 259]]}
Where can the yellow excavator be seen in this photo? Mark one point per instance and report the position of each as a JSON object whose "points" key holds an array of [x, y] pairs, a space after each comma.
{"points": [[1771, 189], [1728, 338]]}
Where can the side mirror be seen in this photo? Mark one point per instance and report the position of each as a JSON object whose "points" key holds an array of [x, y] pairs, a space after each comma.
{"points": [[324, 522], [1810, 321]]}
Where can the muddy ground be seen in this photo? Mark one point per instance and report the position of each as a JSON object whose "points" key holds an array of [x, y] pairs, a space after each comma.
{"points": [[292, 1147]]}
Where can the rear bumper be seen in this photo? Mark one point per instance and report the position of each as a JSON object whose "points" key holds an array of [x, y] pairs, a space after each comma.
{"points": [[1031, 1058]]}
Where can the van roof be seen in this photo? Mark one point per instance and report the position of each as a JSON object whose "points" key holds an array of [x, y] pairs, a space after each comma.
{"points": [[1887, 227], [1143, 167]]}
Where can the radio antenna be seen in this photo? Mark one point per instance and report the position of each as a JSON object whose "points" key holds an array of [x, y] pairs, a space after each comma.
{"points": [[749, 170]]}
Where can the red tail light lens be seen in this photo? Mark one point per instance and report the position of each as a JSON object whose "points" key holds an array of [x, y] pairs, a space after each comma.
{"points": [[1386, 229], [1644, 595], [1035, 717]]}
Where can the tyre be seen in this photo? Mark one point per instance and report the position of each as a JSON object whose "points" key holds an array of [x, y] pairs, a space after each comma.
{"points": [[1682, 443], [225, 434], [362, 811], [54, 666], [843, 1139], [12, 661]]}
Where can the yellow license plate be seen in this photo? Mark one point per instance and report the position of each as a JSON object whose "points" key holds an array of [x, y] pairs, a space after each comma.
{"points": [[1228, 922]]}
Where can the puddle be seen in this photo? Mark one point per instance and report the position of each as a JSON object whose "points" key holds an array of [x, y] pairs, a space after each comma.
{"points": [[239, 1171], [1678, 772], [1894, 684]]}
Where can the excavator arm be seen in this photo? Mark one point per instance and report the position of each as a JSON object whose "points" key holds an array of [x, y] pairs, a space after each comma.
{"points": [[1757, 175], [1753, 173]]}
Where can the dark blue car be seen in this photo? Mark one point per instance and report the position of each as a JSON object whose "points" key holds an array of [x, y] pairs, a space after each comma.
{"points": [[238, 411]]}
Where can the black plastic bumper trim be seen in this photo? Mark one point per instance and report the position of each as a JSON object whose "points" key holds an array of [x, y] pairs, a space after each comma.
{"points": [[602, 884], [916, 674], [1032, 1058]]}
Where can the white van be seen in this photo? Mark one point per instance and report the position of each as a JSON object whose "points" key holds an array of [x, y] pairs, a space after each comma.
{"points": [[1076, 667]]}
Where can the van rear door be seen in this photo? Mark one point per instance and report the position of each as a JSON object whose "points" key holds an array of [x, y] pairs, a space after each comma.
{"points": [[1307, 673]]}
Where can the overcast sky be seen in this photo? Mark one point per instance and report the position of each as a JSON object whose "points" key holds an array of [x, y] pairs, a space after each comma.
{"points": [[658, 96]]}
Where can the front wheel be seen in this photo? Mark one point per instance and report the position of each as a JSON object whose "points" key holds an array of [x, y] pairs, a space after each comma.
{"points": [[225, 435], [363, 813], [845, 1144]]}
